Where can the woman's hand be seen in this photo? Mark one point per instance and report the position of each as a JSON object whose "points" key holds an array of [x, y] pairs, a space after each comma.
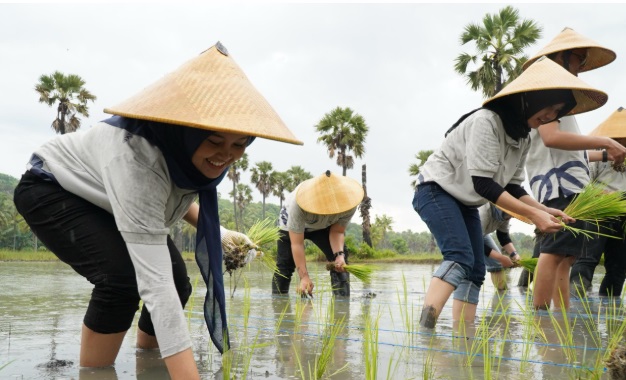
{"points": [[558, 213], [505, 261], [546, 222], [340, 261], [306, 286]]}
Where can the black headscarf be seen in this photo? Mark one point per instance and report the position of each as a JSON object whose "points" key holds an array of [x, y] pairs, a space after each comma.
{"points": [[178, 144], [516, 109]]}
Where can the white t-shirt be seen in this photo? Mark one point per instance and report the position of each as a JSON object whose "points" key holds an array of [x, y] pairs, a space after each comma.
{"points": [[551, 169], [603, 172], [479, 146]]}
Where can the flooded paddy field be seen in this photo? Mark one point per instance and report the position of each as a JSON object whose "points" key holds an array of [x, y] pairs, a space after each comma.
{"points": [[373, 334]]}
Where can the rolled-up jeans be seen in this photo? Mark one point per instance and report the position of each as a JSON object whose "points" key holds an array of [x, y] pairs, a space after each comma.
{"points": [[458, 233]]}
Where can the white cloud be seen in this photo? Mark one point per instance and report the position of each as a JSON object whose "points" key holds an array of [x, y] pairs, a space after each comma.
{"points": [[391, 63]]}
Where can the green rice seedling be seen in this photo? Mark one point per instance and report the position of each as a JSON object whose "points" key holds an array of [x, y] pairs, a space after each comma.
{"points": [[531, 331], [370, 347], [593, 204], [428, 370], [361, 271], [281, 317], [615, 353], [6, 364], [246, 305], [192, 301], [505, 319], [564, 332], [406, 309], [240, 358], [333, 328]]}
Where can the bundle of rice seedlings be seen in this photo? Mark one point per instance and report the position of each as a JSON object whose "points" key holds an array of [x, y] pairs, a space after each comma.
{"points": [[616, 363], [360, 271], [261, 233], [594, 204], [528, 264]]}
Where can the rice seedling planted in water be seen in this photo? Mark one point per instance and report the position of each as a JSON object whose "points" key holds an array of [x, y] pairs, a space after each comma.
{"points": [[360, 271]]}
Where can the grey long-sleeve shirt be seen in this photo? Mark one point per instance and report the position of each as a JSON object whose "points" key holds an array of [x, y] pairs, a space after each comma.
{"points": [[127, 176]]}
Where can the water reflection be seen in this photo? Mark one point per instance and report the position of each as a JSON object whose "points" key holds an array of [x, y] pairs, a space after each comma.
{"points": [[279, 337]]}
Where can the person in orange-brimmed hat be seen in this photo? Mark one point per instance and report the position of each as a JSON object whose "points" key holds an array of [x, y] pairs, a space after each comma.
{"points": [[613, 176], [318, 209], [495, 219], [557, 169], [481, 160], [104, 201]]}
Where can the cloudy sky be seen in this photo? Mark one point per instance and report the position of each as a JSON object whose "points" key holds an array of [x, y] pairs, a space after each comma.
{"points": [[392, 64]]}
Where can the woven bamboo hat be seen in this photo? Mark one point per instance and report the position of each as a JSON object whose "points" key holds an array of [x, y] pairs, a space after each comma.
{"points": [[545, 74], [516, 216], [329, 194], [208, 92], [613, 127], [568, 39]]}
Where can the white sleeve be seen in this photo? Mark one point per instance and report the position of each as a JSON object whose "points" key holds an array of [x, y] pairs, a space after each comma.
{"points": [[155, 280]]}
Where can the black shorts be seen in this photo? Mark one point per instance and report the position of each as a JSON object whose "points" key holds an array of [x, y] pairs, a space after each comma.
{"points": [[565, 242], [86, 237]]}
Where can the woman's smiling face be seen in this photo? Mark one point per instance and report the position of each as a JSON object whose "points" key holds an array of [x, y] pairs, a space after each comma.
{"points": [[545, 115], [217, 152]]}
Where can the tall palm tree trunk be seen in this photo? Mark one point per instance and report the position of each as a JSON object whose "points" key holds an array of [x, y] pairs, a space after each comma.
{"points": [[235, 205], [365, 206]]}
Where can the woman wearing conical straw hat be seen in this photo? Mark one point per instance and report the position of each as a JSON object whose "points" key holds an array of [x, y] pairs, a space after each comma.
{"points": [[104, 200], [480, 160], [557, 170], [614, 177], [319, 209]]}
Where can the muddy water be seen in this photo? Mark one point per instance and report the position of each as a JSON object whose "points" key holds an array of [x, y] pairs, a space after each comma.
{"points": [[42, 305]]}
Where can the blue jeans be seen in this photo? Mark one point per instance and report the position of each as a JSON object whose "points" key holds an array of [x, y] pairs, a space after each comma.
{"points": [[456, 229]]}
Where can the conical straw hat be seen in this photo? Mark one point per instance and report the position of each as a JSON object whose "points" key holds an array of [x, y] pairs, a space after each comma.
{"points": [[329, 194], [545, 74], [209, 92], [568, 39], [613, 127]]}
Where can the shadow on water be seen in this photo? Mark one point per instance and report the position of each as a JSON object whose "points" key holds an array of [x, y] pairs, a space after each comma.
{"points": [[42, 306]]}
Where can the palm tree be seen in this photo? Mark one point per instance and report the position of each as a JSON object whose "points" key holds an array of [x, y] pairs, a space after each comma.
{"points": [[364, 208], [414, 169], [234, 174], [71, 97], [262, 179], [297, 175], [281, 182], [382, 225], [499, 42], [242, 200], [342, 131]]}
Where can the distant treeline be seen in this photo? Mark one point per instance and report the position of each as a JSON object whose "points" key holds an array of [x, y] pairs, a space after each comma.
{"points": [[16, 235]]}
